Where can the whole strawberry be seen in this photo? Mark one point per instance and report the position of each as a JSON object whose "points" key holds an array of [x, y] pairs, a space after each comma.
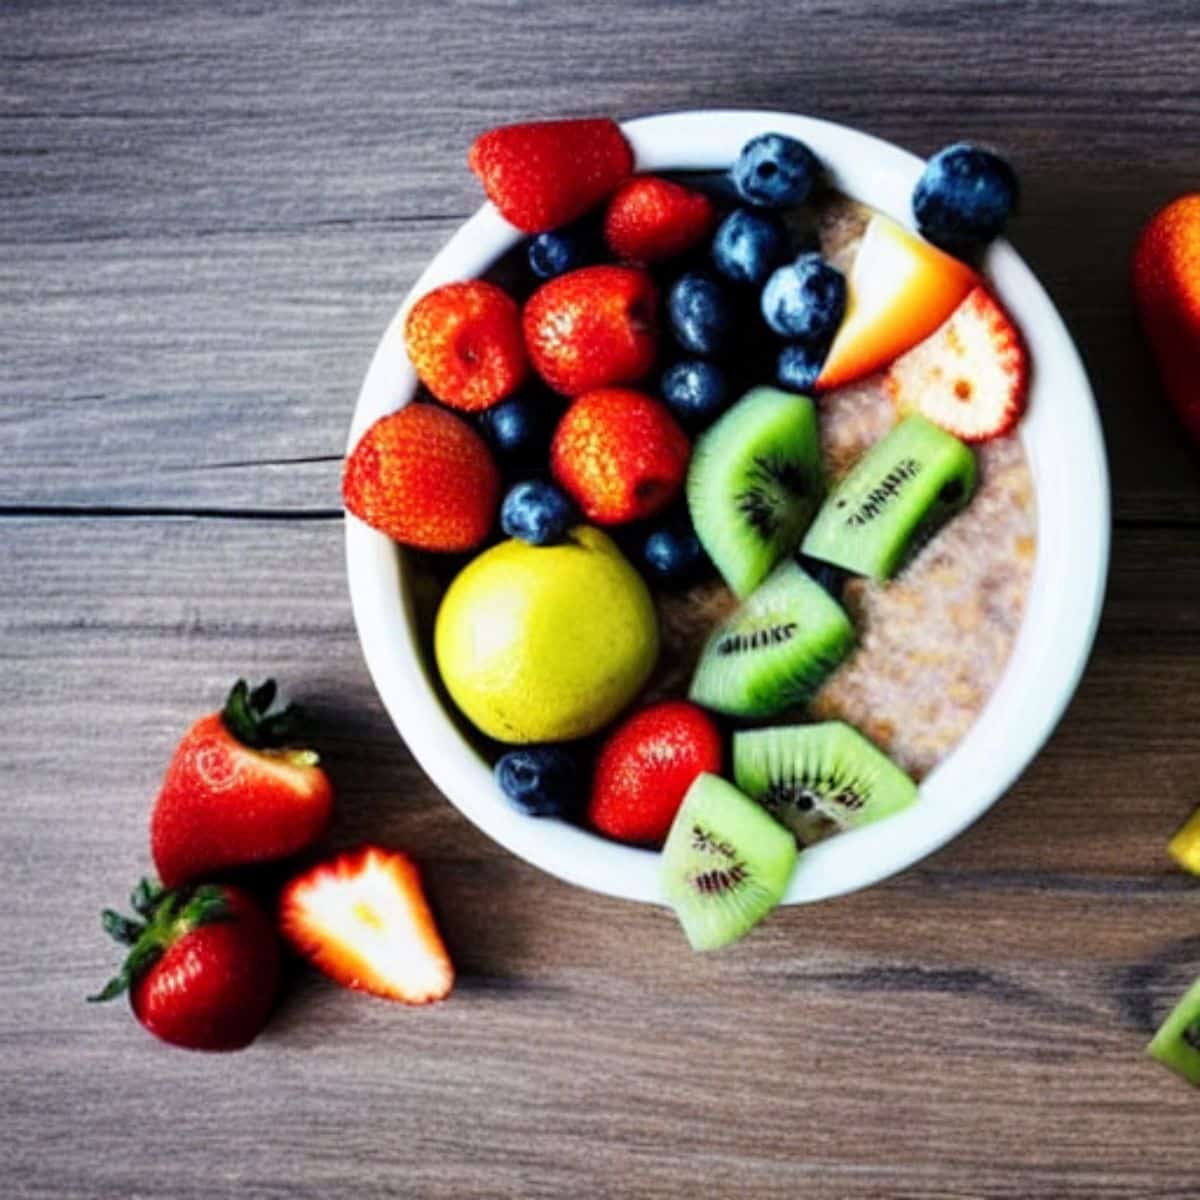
{"points": [[464, 342], [1166, 290], [238, 791], [543, 174], [203, 966], [592, 328], [620, 454], [651, 219], [425, 478], [646, 766]]}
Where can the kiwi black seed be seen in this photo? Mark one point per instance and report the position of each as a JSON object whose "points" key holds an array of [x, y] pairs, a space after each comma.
{"points": [[895, 498], [819, 779], [725, 864], [775, 650], [754, 483]]}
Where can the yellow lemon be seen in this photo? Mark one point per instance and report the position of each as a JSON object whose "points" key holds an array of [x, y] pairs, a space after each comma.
{"points": [[546, 643]]}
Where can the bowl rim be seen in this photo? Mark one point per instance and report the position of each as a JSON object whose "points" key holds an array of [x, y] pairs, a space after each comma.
{"points": [[1063, 604]]}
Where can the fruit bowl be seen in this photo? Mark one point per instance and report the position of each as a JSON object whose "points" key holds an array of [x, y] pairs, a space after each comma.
{"points": [[1065, 450]]}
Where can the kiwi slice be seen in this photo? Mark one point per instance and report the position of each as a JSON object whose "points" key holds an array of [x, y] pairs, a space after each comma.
{"points": [[1177, 1042], [894, 499], [754, 484], [725, 863], [775, 650], [819, 779]]}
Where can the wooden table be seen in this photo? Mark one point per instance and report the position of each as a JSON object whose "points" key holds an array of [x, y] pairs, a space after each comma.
{"points": [[207, 215]]}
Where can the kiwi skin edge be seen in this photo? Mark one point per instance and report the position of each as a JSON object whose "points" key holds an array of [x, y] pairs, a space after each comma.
{"points": [[1177, 1042]]}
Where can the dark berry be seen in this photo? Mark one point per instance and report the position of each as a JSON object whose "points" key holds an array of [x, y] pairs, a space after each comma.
{"points": [[799, 364], [536, 512], [556, 252], [518, 428], [702, 316], [805, 300], [748, 246], [542, 781], [774, 170], [695, 391], [671, 554], [964, 197]]}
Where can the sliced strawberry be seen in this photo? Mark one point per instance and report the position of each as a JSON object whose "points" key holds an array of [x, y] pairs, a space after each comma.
{"points": [[363, 919], [970, 376], [543, 174]]}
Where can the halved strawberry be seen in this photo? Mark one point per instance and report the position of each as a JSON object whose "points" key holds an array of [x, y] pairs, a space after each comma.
{"points": [[363, 919], [970, 376]]}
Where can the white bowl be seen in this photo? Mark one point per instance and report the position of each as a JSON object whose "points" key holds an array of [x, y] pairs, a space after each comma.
{"points": [[1064, 445]]}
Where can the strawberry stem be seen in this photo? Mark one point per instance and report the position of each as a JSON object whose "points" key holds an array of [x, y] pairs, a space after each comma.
{"points": [[248, 717], [169, 916]]}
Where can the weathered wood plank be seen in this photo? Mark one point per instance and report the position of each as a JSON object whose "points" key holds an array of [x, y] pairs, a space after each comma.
{"points": [[207, 218], [982, 1016]]}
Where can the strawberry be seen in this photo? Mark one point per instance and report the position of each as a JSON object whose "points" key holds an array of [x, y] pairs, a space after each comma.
{"points": [[425, 478], [363, 919], [238, 791], [203, 966], [464, 342], [547, 173], [620, 454], [970, 376], [1166, 289], [646, 766], [650, 219], [592, 328]]}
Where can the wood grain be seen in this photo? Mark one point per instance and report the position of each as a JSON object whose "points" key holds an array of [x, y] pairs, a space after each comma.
{"points": [[207, 216]]}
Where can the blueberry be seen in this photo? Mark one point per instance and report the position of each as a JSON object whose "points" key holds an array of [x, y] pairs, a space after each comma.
{"points": [[799, 364], [964, 196], [695, 391], [536, 512], [774, 170], [518, 428], [542, 781], [747, 245], [672, 555], [701, 313], [805, 300], [556, 252]]}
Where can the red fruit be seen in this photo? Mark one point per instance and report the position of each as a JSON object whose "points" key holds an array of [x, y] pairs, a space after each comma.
{"points": [[425, 478], [464, 342], [363, 919], [547, 173], [646, 766], [238, 791], [592, 328], [970, 376], [203, 970], [1166, 287], [620, 454], [650, 219]]}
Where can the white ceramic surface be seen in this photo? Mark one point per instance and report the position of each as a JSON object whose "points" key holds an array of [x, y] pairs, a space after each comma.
{"points": [[1064, 444]]}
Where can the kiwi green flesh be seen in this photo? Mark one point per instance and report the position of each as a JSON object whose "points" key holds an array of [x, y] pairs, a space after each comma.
{"points": [[895, 498], [754, 483], [1177, 1042], [776, 649], [819, 779], [725, 865]]}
